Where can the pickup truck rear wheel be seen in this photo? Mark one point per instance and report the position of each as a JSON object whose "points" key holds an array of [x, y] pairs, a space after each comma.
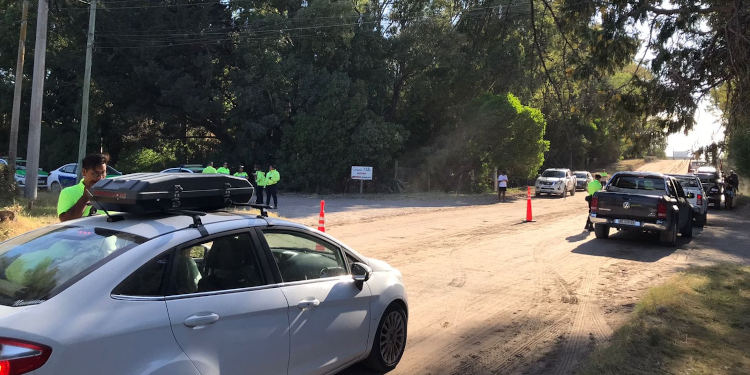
{"points": [[601, 231], [669, 237]]}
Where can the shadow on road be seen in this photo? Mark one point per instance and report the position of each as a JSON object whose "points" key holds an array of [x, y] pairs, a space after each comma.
{"points": [[630, 245]]}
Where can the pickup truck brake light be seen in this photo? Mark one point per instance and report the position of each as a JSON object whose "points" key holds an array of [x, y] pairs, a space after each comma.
{"points": [[661, 210], [699, 200], [594, 204]]}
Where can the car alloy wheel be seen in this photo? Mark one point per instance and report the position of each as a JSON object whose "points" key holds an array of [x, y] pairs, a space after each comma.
{"points": [[392, 337]]}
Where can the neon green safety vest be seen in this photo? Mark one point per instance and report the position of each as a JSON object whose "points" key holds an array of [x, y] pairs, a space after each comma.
{"points": [[260, 178], [209, 169], [68, 198], [272, 177], [593, 187], [241, 174], [222, 170]]}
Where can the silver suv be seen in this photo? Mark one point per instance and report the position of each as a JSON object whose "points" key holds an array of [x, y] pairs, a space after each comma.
{"points": [[556, 181]]}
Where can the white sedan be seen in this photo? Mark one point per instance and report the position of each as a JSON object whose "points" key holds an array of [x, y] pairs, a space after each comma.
{"points": [[235, 294], [67, 175]]}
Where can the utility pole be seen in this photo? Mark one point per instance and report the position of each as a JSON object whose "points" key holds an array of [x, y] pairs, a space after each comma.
{"points": [[86, 87], [13, 142], [37, 92]]}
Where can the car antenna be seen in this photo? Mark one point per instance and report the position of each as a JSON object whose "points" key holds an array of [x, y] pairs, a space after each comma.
{"points": [[110, 218]]}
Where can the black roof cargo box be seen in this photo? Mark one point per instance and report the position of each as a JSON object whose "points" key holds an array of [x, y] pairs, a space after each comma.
{"points": [[146, 193]]}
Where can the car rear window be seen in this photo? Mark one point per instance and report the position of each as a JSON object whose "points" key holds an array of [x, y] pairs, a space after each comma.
{"points": [[688, 182], [638, 182], [553, 174], [39, 264], [581, 175]]}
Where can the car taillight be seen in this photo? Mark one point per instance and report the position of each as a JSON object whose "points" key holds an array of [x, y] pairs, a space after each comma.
{"points": [[594, 204], [699, 200], [19, 357], [661, 210]]}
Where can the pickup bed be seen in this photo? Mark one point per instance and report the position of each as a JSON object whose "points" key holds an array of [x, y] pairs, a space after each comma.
{"points": [[643, 201]]}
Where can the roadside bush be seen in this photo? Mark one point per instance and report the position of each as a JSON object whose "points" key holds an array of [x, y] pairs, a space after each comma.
{"points": [[7, 184]]}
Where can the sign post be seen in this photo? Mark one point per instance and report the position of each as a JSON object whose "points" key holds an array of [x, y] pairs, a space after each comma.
{"points": [[361, 173]]}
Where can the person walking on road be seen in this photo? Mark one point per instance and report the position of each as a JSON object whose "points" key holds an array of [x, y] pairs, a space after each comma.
{"points": [[593, 186], [260, 184], [502, 185], [209, 168], [74, 201], [272, 180], [224, 169]]}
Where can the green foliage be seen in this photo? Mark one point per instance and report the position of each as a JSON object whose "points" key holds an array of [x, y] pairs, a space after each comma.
{"points": [[739, 151], [147, 159]]}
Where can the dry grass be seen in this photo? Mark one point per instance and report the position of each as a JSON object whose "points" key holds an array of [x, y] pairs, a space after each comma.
{"points": [[697, 323], [625, 165], [43, 212]]}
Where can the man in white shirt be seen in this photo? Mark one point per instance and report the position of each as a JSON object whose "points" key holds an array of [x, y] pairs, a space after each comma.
{"points": [[502, 185]]}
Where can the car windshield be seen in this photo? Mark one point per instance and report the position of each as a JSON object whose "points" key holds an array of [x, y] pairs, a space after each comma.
{"points": [[558, 174], [688, 182], [38, 264], [581, 175], [707, 178], [638, 182]]}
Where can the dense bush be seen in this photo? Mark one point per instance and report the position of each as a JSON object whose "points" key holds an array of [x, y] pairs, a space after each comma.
{"points": [[7, 184]]}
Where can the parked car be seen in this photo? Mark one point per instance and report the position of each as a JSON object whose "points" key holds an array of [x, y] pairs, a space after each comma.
{"points": [[555, 181], [582, 179], [20, 175], [643, 201], [194, 293], [713, 184], [693, 188], [187, 168], [67, 175]]}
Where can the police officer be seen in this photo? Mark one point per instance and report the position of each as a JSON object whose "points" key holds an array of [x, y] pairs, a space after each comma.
{"points": [[272, 179], [260, 184], [593, 186], [224, 169], [74, 201], [209, 168], [241, 172]]}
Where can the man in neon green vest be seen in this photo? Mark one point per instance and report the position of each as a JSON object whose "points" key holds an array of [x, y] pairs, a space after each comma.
{"points": [[593, 186], [74, 201], [272, 179], [223, 169], [260, 184], [209, 168], [241, 172]]}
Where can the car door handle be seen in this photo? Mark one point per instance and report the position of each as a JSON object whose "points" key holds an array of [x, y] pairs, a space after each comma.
{"points": [[308, 303], [201, 320]]}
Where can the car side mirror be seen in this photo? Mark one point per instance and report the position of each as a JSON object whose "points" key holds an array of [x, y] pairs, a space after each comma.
{"points": [[361, 272]]}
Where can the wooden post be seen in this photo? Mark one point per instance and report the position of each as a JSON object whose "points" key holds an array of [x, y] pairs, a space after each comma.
{"points": [[37, 96], [495, 183], [16, 112], [83, 136]]}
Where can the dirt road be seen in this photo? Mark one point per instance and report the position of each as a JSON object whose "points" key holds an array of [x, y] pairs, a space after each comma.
{"points": [[489, 294]]}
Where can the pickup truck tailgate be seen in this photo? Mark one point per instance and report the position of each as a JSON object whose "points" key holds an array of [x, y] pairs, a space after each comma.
{"points": [[627, 206]]}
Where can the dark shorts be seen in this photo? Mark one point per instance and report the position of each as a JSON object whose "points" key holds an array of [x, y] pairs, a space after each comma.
{"points": [[502, 188]]}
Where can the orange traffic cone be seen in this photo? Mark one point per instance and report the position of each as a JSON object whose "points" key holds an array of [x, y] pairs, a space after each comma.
{"points": [[322, 217], [528, 204]]}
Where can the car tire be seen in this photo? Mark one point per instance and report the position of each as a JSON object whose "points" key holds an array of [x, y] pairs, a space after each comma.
{"points": [[700, 220], [688, 231], [390, 340], [669, 237], [601, 231], [537, 194], [55, 187]]}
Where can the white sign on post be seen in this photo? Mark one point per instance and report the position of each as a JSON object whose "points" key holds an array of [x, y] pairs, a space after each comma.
{"points": [[361, 173]]}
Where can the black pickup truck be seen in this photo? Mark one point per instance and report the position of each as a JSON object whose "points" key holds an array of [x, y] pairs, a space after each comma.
{"points": [[643, 201]]}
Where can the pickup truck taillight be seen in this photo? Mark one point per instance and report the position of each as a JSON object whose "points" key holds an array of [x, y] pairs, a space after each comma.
{"points": [[594, 204], [661, 210], [19, 357], [699, 200]]}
